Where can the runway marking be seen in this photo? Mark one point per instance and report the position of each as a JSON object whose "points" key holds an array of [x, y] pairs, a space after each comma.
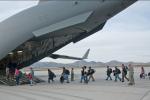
{"points": [[146, 94]]}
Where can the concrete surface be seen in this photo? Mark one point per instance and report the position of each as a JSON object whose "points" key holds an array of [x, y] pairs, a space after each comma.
{"points": [[98, 90]]}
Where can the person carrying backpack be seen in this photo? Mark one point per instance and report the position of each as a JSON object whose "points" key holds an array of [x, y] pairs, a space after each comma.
{"points": [[109, 71], [90, 73], [124, 73], [51, 76], [65, 75], [117, 72]]}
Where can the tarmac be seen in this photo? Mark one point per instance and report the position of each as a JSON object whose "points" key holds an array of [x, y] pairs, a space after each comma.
{"points": [[98, 90]]}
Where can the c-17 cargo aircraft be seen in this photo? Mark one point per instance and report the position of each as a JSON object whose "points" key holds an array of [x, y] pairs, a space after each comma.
{"points": [[39, 31]]}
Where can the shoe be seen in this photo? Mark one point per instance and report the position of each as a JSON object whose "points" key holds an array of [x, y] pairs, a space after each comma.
{"points": [[130, 84]]}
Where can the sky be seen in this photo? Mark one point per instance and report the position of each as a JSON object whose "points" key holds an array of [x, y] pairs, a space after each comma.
{"points": [[125, 37]]}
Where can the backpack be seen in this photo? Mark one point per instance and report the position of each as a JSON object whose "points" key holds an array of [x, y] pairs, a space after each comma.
{"points": [[125, 71], [110, 70], [61, 79], [118, 71], [92, 71], [67, 72]]}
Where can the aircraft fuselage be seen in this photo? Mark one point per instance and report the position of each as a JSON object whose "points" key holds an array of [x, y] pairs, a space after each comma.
{"points": [[51, 16]]}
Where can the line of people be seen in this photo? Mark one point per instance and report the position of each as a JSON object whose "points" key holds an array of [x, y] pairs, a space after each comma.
{"points": [[116, 72], [64, 75], [86, 75], [13, 72], [30, 76]]}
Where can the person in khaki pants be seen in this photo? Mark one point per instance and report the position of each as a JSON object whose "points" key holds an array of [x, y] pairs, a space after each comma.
{"points": [[72, 74], [131, 75], [90, 74]]}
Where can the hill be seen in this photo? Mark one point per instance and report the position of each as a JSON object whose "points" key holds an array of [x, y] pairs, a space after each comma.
{"points": [[86, 63]]}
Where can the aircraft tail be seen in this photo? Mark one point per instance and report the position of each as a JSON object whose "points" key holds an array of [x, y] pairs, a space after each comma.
{"points": [[86, 54]]}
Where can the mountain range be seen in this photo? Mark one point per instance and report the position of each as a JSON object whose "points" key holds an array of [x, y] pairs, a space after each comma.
{"points": [[86, 63]]}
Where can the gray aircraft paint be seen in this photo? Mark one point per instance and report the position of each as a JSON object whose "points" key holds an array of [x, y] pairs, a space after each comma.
{"points": [[21, 27]]}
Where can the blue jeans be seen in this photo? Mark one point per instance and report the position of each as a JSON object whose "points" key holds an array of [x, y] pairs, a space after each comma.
{"points": [[85, 79], [66, 77], [82, 78], [31, 82], [108, 76], [17, 80], [117, 77]]}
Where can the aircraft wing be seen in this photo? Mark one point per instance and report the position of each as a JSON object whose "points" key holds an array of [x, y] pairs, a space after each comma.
{"points": [[56, 56]]}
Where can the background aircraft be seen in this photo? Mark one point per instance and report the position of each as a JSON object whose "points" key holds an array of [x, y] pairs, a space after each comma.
{"points": [[55, 56]]}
